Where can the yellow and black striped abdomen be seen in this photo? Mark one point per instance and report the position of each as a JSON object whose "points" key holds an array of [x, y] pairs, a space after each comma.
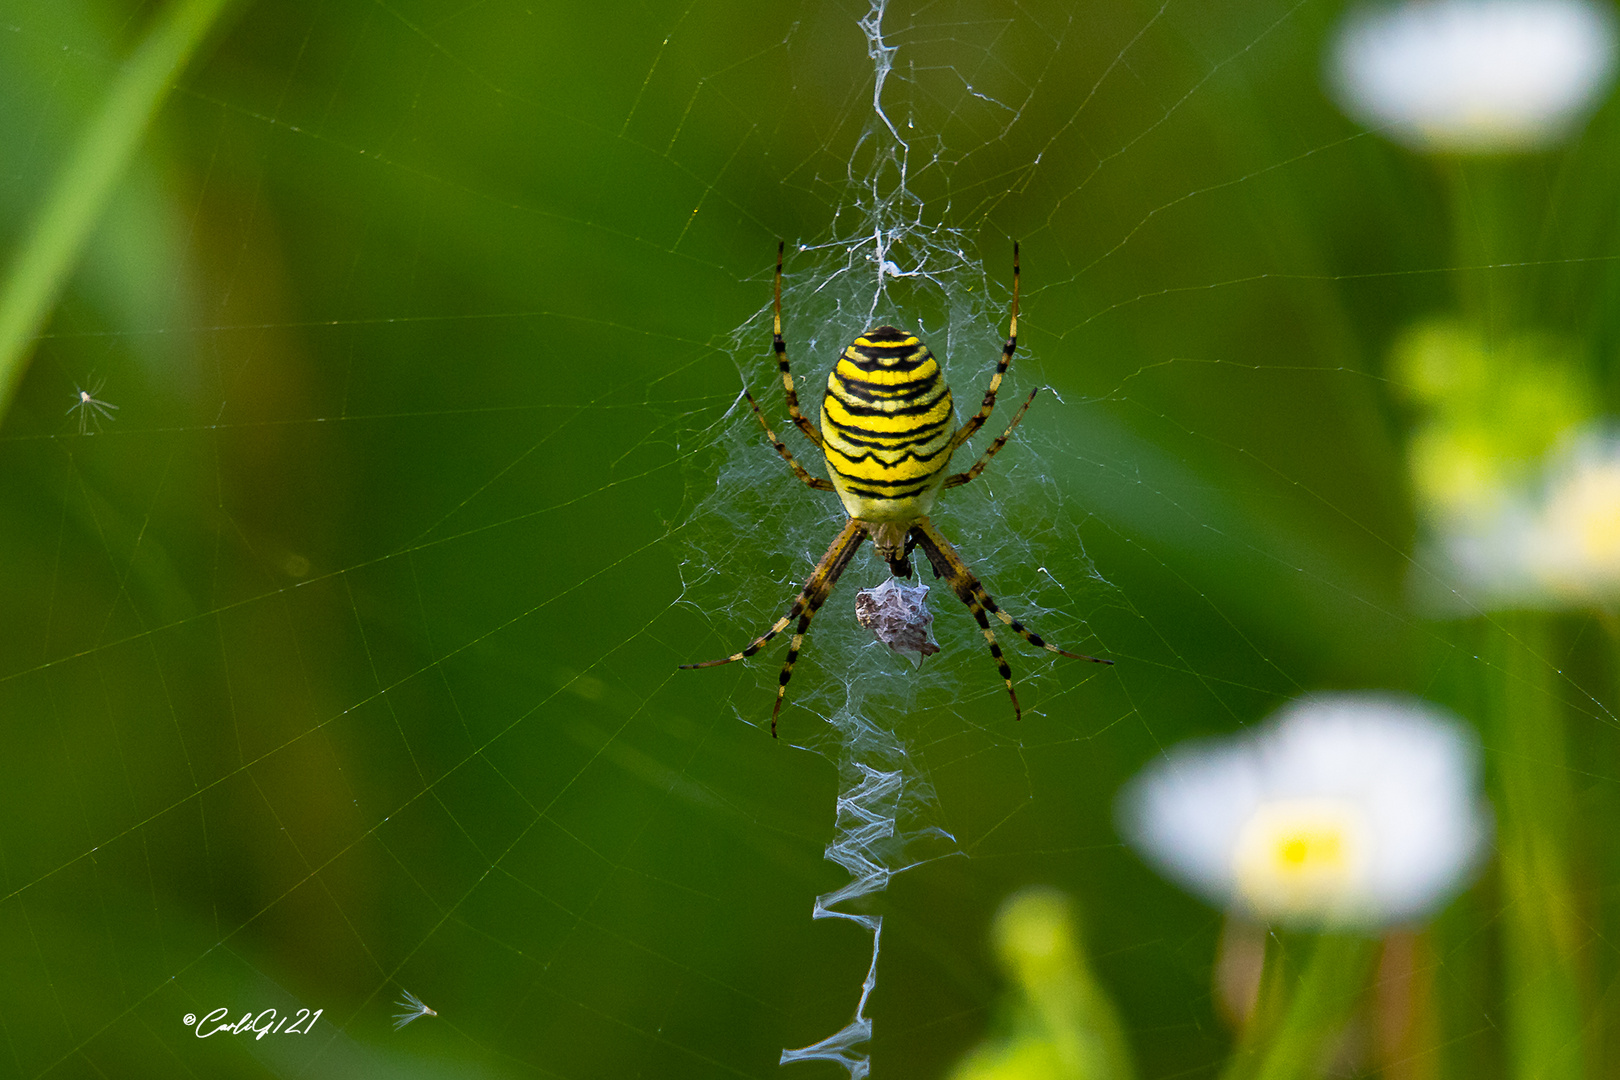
{"points": [[886, 425]]}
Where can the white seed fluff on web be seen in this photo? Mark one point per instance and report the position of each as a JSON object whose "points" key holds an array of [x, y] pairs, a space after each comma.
{"points": [[1474, 76], [1344, 809]]}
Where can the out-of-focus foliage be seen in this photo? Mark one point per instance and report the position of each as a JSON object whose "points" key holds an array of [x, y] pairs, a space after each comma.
{"points": [[1490, 412], [1058, 1023], [341, 662]]}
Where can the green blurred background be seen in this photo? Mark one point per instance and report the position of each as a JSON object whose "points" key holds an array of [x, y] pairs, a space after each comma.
{"points": [[342, 660]]}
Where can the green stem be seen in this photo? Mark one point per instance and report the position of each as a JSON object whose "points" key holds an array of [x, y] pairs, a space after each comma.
{"points": [[1539, 921], [1296, 1019], [1487, 241], [74, 202], [1271, 1000], [1328, 991]]}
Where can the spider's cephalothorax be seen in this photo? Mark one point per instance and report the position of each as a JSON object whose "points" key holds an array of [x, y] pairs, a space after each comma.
{"points": [[888, 429]]}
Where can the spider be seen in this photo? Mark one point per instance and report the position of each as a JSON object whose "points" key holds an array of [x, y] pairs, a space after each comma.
{"points": [[88, 406], [888, 430]]}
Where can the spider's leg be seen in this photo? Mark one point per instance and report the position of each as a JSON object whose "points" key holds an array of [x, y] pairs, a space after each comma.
{"points": [[901, 567], [780, 346], [763, 639], [1027, 634], [927, 530], [976, 421], [912, 539], [815, 482], [961, 478], [804, 608], [828, 571], [949, 565]]}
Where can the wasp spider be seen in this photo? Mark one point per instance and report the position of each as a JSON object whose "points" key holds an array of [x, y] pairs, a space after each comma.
{"points": [[888, 429]]}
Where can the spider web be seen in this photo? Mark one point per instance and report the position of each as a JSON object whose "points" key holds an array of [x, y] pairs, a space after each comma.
{"points": [[342, 660]]}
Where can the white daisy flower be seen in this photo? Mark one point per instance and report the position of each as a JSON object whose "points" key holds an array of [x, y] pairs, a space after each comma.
{"points": [[1573, 550], [1474, 76], [1344, 809], [1550, 544]]}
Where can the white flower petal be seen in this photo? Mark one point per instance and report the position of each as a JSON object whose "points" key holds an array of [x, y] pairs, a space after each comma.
{"points": [[1477, 76], [1187, 809]]}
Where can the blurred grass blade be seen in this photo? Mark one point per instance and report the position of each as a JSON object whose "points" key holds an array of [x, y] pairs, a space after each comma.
{"points": [[1327, 994], [1060, 1023], [51, 246], [1539, 917], [1295, 1025]]}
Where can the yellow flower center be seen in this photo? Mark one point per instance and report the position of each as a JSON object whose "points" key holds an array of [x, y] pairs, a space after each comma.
{"points": [[1301, 858], [1579, 551], [1593, 509]]}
